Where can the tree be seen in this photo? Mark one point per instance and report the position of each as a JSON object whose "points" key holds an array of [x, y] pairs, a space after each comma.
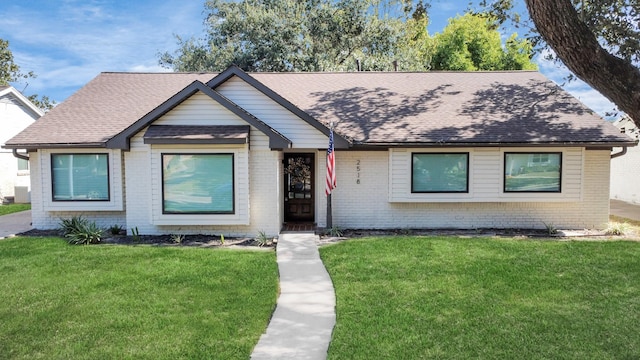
{"points": [[472, 42], [292, 35], [328, 35], [10, 73], [599, 41]]}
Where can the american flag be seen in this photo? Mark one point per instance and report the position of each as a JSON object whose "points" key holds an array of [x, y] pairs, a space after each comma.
{"points": [[331, 166]]}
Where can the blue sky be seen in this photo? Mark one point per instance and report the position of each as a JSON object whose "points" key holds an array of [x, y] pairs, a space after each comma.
{"points": [[66, 43]]}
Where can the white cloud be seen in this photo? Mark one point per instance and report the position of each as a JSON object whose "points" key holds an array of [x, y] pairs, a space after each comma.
{"points": [[67, 43]]}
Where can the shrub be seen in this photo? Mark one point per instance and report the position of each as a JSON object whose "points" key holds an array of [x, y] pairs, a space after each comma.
{"points": [[115, 229], [262, 239], [616, 228], [79, 230]]}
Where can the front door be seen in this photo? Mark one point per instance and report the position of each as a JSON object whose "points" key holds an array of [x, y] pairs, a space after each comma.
{"points": [[299, 202]]}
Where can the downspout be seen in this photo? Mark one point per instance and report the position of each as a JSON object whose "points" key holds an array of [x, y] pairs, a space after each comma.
{"points": [[20, 156], [618, 154]]}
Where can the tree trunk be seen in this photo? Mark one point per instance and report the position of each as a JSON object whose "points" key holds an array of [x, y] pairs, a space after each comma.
{"points": [[578, 48]]}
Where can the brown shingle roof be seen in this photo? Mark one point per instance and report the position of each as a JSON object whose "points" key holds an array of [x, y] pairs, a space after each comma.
{"points": [[104, 107], [444, 107], [431, 108]]}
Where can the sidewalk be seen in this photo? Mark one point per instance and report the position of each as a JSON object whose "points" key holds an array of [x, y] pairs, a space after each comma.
{"points": [[303, 321], [15, 223]]}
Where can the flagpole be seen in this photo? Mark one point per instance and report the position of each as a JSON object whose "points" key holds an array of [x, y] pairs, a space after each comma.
{"points": [[329, 217]]}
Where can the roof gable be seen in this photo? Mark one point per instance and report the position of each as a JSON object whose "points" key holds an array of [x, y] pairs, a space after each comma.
{"points": [[339, 141], [122, 140], [13, 95]]}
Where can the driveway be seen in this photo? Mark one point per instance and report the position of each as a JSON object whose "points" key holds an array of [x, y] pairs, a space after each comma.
{"points": [[625, 210], [15, 223]]}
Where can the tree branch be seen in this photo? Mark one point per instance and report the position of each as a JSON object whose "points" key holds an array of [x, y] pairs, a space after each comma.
{"points": [[576, 45]]}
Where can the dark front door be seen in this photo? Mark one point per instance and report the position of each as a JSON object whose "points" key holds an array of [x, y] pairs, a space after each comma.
{"points": [[299, 203]]}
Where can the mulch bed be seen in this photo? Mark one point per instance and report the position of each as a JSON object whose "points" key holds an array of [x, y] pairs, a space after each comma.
{"points": [[198, 240]]}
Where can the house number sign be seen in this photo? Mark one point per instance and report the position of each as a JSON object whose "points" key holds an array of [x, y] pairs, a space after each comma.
{"points": [[358, 171]]}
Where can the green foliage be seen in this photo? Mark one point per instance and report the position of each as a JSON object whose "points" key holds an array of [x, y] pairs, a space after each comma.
{"points": [[135, 234], [177, 238], [81, 231], [617, 228], [324, 35], [115, 229], [262, 239], [9, 70], [551, 229], [472, 42], [335, 231], [10, 73]]}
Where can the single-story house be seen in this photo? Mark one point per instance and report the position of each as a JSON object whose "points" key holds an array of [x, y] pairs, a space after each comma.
{"points": [[625, 170], [16, 113], [238, 153]]}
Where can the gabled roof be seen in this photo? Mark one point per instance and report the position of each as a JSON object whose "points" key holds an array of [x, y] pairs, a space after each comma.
{"points": [[369, 109], [339, 141], [121, 141], [13, 95]]}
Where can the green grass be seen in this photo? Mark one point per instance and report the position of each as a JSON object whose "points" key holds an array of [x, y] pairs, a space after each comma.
{"points": [[132, 302], [446, 297], [12, 208]]}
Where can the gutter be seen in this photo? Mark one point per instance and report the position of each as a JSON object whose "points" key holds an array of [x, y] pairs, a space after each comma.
{"points": [[20, 156], [618, 154]]}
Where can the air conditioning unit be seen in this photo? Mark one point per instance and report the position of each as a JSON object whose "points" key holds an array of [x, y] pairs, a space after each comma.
{"points": [[22, 195]]}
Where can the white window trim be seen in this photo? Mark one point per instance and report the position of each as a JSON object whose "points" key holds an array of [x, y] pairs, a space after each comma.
{"points": [[115, 202], [241, 186], [406, 165]]}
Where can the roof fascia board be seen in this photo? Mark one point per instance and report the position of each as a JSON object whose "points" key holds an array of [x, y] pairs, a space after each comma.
{"points": [[122, 140], [590, 145], [23, 99], [233, 70]]}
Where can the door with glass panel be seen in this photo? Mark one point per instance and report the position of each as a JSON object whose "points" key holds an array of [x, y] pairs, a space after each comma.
{"points": [[299, 203]]}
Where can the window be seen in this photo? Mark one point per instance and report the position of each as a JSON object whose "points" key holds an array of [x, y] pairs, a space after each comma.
{"points": [[23, 165], [197, 184], [532, 172], [80, 177], [440, 172]]}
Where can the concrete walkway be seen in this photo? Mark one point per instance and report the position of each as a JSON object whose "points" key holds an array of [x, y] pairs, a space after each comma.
{"points": [[15, 223], [303, 321]]}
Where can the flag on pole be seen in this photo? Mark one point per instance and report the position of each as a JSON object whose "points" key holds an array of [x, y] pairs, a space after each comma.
{"points": [[331, 166]]}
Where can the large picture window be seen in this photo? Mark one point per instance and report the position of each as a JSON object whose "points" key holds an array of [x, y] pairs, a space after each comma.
{"points": [[80, 177], [197, 184], [440, 172], [532, 172]]}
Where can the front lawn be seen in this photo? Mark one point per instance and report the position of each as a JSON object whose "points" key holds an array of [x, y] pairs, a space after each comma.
{"points": [[59, 301], [12, 208], [447, 297]]}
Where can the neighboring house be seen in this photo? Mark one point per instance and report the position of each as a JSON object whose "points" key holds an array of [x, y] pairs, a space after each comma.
{"points": [[16, 113], [237, 153], [625, 170]]}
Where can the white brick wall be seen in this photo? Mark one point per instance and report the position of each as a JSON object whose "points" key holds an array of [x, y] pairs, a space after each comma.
{"points": [[366, 205], [625, 172]]}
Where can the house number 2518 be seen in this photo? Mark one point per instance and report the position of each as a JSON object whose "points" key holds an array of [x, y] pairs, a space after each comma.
{"points": [[358, 171]]}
